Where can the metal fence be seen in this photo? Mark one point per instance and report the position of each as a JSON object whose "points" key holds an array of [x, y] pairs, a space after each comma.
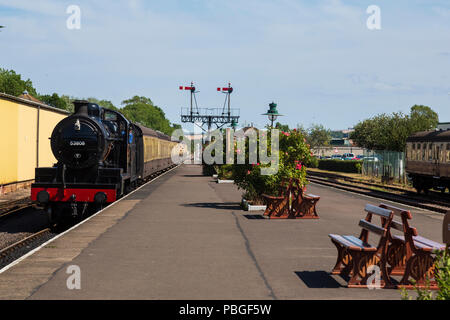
{"points": [[388, 165]]}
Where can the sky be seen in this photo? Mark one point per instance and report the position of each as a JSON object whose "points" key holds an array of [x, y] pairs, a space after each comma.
{"points": [[317, 60]]}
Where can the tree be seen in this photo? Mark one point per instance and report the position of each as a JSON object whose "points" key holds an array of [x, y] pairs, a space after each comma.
{"points": [[104, 103], [423, 118], [318, 136], [142, 110], [389, 132], [12, 83], [55, 101]]}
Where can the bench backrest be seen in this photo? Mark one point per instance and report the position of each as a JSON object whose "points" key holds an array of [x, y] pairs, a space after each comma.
{"points": [[404, 215], [367, 225]]}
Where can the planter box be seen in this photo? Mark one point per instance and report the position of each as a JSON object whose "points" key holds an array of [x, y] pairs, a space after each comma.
{"points": [[250, 207], [225, 181]]}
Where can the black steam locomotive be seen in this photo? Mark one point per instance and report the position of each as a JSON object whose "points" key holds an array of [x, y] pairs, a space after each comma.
{"points": [[101, 156]]}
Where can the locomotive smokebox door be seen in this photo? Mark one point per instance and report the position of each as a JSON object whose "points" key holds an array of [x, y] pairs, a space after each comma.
{"points": [[446, 229]]}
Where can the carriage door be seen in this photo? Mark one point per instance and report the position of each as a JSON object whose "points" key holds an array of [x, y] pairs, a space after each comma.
{"points": [[436, 157]]}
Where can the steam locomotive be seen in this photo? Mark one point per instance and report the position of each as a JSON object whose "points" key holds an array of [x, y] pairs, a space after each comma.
{"points": [[101, 156], [428, 160]]}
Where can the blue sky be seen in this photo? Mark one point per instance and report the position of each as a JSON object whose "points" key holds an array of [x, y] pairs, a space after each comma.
{"points": [[316, 59]]}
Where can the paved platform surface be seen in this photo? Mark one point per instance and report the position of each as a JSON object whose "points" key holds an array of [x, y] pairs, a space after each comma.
{"points": [[184, 236]]}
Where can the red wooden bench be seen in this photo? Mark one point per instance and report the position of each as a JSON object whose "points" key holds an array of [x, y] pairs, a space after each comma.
{"points": [[355, 255], [278, 206], [410, 255], [303, 204], [292, 203]]}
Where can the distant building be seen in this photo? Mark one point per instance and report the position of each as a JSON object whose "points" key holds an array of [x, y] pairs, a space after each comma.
{"points": [[443, 126]]}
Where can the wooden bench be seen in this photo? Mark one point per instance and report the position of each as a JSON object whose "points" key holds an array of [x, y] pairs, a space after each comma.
{"points": [[278, 206], [410, 255], [356, 255], [303, 204], [292, 203]]}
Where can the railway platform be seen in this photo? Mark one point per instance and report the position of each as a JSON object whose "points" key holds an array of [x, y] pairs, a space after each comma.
{"points": [[183, 236]]}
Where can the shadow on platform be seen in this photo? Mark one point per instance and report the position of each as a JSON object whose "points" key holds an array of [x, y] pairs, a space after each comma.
{"points": [[317, 279], [254, 217], [194, 175], [215, 205]]}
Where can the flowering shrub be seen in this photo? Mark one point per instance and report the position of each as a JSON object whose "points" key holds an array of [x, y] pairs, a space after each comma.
{"points": [[294, 156]]}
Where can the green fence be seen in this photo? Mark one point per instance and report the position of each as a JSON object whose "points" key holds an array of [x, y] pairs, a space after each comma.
{"points": [[388, 165]]}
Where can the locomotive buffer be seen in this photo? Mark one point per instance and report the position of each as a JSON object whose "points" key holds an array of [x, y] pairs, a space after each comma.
{"points": [[209, 116]]}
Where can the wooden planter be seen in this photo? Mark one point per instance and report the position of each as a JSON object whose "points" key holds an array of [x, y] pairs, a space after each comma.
{"points": [[251, 207]]}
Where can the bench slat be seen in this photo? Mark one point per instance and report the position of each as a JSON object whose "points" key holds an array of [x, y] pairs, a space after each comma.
{"points": [[424, 243], [377, 210], [397, 225], [352, 243], [397, 211], [371, 227], [360, 243], [430, 243]]}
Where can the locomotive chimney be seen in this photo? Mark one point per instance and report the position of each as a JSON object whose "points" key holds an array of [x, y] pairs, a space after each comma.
{"points": [[81, 107]]}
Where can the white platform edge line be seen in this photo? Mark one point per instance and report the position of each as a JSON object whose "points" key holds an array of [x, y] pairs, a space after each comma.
{"points": [[77, 225]]}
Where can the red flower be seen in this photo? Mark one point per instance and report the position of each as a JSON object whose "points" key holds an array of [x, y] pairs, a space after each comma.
{"points": [[298, 166], [248, 172]]}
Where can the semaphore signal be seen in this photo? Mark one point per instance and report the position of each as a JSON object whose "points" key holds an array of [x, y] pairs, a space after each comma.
{"points": [[210, 116]]}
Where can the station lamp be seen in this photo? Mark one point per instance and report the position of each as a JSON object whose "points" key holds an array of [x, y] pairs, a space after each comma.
{"points": [[272, 113], [233, 124]]}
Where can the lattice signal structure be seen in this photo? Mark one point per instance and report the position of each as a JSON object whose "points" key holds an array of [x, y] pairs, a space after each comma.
{"points": [[209, 116]]}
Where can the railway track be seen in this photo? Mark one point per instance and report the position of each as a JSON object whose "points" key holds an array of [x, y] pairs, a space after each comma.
{"points": [[27, 243], [19, 244], [10, 207], [403, 196]]}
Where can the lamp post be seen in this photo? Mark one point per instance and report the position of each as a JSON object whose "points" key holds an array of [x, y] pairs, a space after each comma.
{"points": [[272, 113], [233, 124]]}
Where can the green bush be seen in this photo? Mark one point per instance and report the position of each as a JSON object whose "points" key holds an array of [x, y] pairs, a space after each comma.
{"points": [[349, 166], [225, 172], [313, 162], [295, 154]]}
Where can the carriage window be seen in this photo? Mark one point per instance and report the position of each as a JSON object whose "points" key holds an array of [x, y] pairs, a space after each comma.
{"points": [[424, 151], [448, 152], [418, 152], [430, 153], [441, 153]]}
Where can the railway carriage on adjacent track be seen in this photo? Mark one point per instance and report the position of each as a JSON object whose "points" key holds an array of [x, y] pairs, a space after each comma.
{"points": [[101, 157], [428, 160]]}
